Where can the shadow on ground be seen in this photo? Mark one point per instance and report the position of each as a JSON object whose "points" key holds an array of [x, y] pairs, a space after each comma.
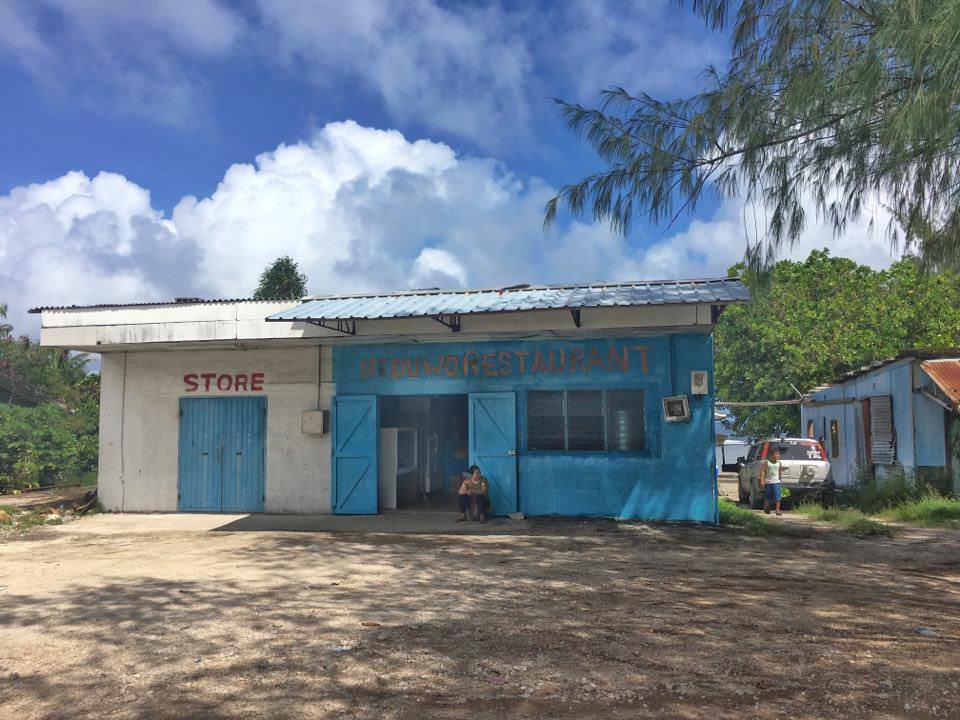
{"points": [[628, 622]]}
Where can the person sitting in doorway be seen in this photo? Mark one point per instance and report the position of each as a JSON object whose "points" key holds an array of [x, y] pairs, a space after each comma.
{"points": [[474, 496]]}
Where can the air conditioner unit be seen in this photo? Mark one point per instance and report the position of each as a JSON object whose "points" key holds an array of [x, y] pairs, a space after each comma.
{"points": [[676, 408], [699, 382]]}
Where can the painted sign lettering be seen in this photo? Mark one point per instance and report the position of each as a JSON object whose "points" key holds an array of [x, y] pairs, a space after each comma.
{"points": [[613, 359], [223, 382]]}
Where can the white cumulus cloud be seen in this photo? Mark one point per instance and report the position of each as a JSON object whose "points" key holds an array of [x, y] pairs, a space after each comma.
{"points": [[82, 240], [359, 209]]}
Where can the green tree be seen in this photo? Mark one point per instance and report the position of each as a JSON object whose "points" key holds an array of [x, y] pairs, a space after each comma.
{"points": [[57, 439], [838, 101], [818, 319], [49, 374], [44, 445], [282, 280]]}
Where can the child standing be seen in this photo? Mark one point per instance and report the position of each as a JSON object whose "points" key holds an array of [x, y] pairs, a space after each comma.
{"points": [[770, 479]]}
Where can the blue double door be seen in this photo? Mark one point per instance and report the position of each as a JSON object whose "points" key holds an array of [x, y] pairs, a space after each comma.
{"points": [[222, 454], [356, 440]]}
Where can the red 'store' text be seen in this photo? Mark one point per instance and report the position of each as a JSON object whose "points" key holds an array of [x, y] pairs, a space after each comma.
{"points": [[223, 382]]}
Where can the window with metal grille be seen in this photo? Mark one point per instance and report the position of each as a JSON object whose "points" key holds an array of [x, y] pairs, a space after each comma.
{"points": [[586, 420], [545, 429], [625, 426]]}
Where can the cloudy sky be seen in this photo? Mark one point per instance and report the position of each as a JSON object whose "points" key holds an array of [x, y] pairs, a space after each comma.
{"points": [[153, 150]]}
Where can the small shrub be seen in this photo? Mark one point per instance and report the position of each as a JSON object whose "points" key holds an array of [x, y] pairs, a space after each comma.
{"points": [[871, 494]]}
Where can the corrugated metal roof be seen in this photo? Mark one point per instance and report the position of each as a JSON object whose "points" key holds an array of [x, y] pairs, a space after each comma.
{"points": [[156, 303], [946, 374], [919, 354], [428, 303]]}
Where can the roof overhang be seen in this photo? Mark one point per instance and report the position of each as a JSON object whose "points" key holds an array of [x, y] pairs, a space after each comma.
{"points": [[342, 312], [416, 316]]}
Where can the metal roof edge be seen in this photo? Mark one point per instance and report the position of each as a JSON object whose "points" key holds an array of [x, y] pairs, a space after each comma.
{"points": [[158, 303], [919, 354], [518, 288], [408, 293], [272, 318], [945, 373]]}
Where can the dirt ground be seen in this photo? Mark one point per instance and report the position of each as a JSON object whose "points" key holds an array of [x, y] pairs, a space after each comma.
{"points": [[50, 497], [214, 617]]}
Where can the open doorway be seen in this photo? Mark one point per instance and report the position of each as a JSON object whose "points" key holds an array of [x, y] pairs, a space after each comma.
{"points": [[423, 451]]}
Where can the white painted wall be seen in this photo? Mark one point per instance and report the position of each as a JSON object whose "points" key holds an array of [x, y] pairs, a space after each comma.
{"points": [[139, 425]]}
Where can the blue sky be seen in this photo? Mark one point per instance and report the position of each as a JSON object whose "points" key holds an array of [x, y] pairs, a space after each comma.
{"points": [[154, 149]]}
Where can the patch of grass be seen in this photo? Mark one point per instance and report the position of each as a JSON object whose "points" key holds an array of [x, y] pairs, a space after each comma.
{"points": [[732, 515], [19, 520], [930, 510], [851, 520], [901, 496]]}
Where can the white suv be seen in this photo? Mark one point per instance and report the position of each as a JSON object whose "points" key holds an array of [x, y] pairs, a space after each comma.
{"points": [[806, 470]]}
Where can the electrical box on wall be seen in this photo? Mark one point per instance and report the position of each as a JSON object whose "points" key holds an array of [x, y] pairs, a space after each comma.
{"points": [[316, 422], [699, 384]]}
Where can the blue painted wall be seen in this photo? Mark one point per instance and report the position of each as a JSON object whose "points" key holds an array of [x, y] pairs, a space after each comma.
{"points": [[673, 479]]}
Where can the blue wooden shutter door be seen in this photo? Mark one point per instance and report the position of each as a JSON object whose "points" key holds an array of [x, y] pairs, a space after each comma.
{"points": [[243, 455], [222, 462], [200, 470], [493, 442], [355, 453]]}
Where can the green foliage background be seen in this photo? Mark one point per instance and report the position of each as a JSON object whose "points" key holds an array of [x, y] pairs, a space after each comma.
{"points": [[55, 441], [814, 320], [45, 445], [281, 280]]}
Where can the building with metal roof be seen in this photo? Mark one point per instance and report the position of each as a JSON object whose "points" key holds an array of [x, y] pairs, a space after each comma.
{"points": [[585, 399], [899, 414]]}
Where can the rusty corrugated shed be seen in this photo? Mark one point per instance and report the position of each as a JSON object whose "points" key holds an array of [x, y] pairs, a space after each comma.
{"points": [[427, 303], [946, 374]]}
